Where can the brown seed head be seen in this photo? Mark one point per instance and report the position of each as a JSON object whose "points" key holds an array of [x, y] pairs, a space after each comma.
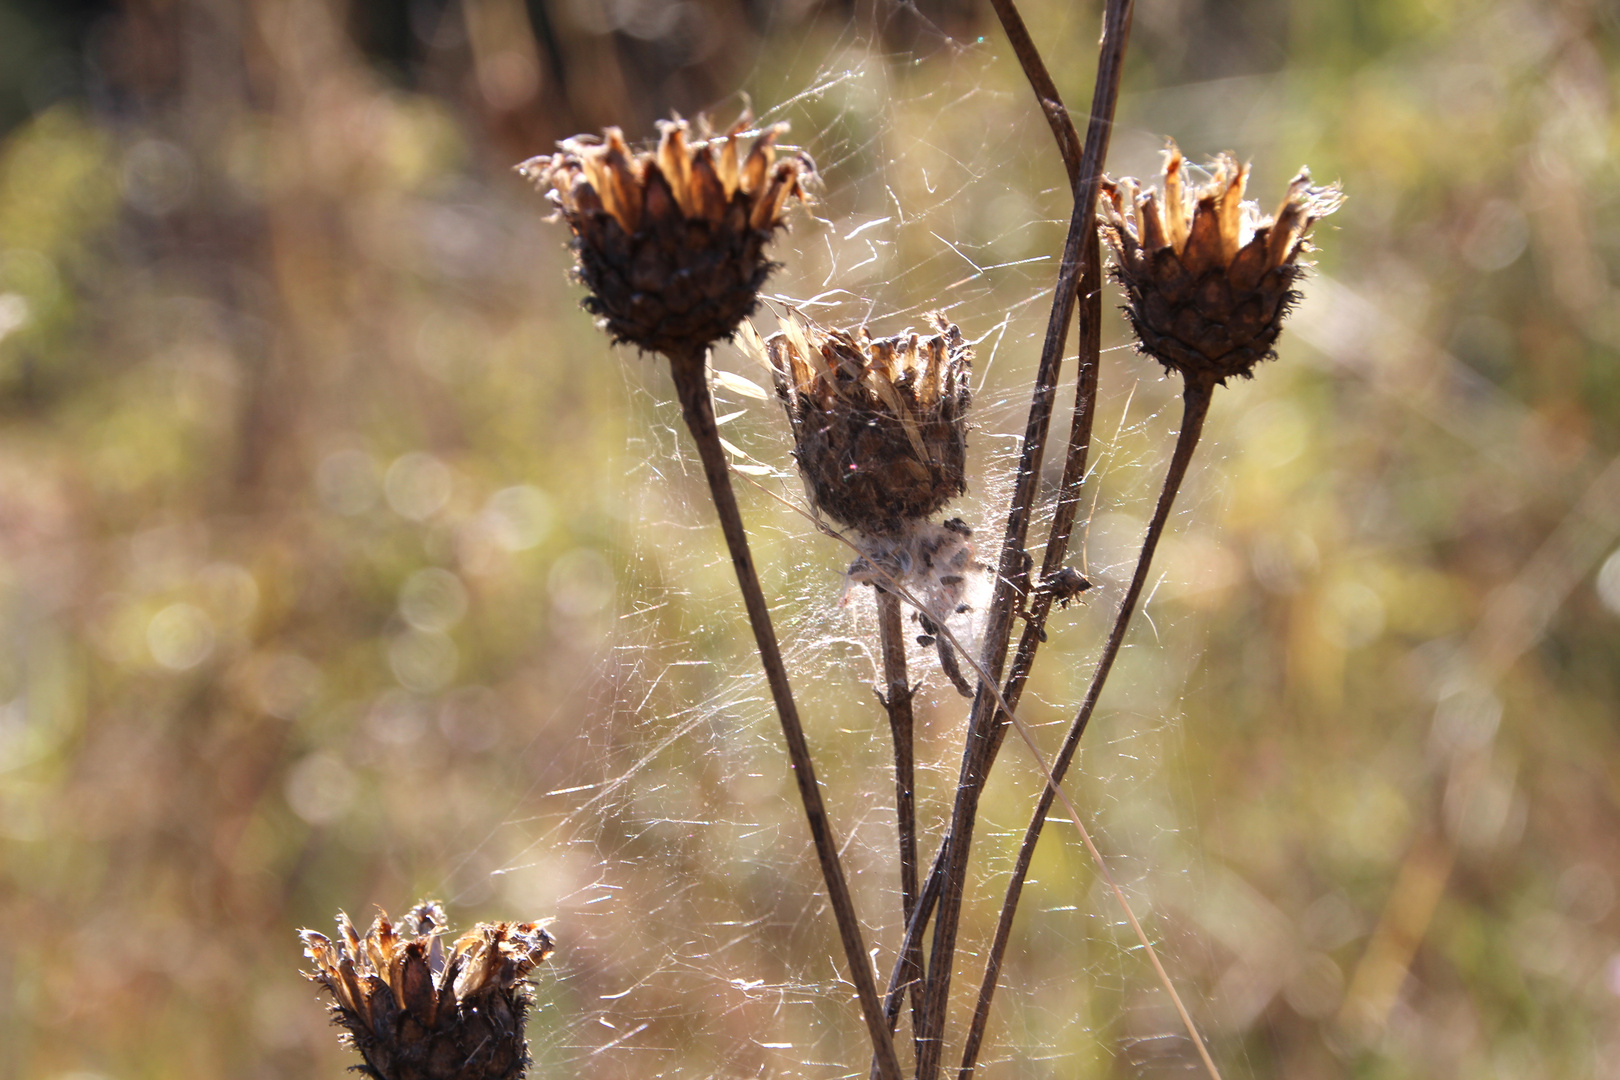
{"points": [[1208, 278], [671, 241], [879, 424], [419, 1011]]}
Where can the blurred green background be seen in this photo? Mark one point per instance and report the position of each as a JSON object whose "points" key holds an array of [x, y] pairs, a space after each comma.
{"points": [[342, 561]]}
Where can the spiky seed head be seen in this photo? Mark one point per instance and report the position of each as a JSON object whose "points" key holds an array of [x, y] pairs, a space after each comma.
{"points": [[417, 1010], [1207, 277], [671, 241], [879, 424]]}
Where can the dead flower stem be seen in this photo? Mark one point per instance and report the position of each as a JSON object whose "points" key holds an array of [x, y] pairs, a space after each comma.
{"points": [[896, 698], [931, 885], [697, 408], [1195, 408], [1040, 606], [1012, 578]]}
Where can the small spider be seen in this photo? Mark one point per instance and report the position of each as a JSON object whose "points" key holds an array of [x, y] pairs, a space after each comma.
{"points": [[1065, 585]]}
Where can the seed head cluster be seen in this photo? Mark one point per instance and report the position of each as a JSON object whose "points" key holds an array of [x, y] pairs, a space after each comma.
{"points": [[671, 241], [417, 1010], [1208, 279], [879, 424]]}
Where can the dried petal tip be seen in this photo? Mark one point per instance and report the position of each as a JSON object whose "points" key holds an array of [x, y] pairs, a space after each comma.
{"points": [[419, 1011], [1207, 278], [671, 240], [879, 426]]}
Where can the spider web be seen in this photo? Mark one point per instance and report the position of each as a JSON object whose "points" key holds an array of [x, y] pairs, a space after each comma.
{"points": [[694, 935]]}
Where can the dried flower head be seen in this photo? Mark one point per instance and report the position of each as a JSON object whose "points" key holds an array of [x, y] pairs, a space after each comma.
{"points": [[419, 1011], [1208, 278], [879, 425], [671, 241]]}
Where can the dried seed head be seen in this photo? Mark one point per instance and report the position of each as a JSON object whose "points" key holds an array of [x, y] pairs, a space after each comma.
{"points": [[1208, 278], [419, 1011], [671, 241], [879, 425]]}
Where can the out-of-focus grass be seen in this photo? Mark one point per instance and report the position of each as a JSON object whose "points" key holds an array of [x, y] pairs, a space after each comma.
{"points": [[336, 547]]}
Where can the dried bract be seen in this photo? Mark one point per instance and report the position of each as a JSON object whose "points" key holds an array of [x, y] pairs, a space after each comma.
{"points": [[879, 425], [417, 1010], [1208, 278], [671, 241]]}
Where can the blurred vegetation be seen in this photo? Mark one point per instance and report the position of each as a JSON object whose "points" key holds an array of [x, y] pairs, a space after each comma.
{"points": [[341, 561]]}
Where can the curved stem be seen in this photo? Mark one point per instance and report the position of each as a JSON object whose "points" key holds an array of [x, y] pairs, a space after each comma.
{"points": [[697, 408], [1195, 408], [1040, 81]]}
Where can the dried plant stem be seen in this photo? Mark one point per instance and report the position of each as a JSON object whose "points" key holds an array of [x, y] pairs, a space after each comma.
{"points": [[1068, 502], [1195, 408], [1057, 546], [930, 889], [1054, 785], [1012, 580], [1040, 81], [906, 973], [697, 408], [896, 700]]}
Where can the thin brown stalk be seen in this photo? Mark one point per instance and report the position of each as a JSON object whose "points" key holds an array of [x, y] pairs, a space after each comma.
{"points": [[697, 408], [1090, 352], [1040, 81], [896, 700], [1057, 547], [930, 889], [1012, 581], [907, 972], [1054, 785], [1195, 408]]}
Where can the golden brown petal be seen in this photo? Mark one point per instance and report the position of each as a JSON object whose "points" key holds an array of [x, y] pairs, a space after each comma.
{"points": [[1203, 247], [727, 165], [620, 186], [1175, 200], [708, 192], [1231, 204], [1153, 232], [1127, 207], [676, 161], [759, 162]]}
